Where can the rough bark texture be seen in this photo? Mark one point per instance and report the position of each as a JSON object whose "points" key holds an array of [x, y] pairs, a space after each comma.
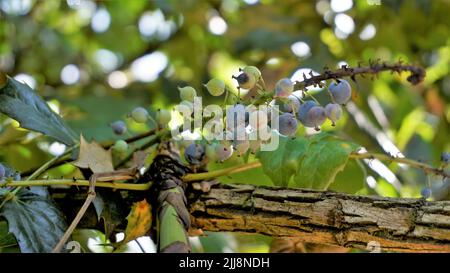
{"points": [[396, 224], [405, 225]]}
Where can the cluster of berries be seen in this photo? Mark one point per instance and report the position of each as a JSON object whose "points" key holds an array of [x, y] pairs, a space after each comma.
{"points": [[139, 115], [291, 107]]}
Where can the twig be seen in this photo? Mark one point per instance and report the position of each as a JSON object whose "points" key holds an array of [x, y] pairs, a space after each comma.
{"points": [[213, 174], [151, 142], [417, 73], [114, 175], [222, 172], [49, 163], [62, 160], [80, 214], [78, 183], [419, 165]]}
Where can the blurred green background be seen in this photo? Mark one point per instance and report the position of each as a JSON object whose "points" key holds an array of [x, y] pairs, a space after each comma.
{"points": [[94, 61]]}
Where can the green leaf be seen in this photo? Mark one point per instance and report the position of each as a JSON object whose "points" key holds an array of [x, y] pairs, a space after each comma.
{"points": [[281, 164], [92, 240], [6, 238], [34, 220], [351, 180], [273, 163], [312, 162], [20, 102], [322, 162]]}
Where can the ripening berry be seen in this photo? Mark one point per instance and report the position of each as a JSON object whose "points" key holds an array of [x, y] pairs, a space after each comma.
{"points": [[245, 80], [187, 93], [426, 192], [215, 87], [284, 88], [303, 112], [194, 154], [287, 124], [241, 146], [316, 116], [118, 127], [163, 116], [121, 146], [223, 151], [252, 70], [334, 112], [2, 171], [445, 157], [291, 105], [139, 114], [340, 92]]}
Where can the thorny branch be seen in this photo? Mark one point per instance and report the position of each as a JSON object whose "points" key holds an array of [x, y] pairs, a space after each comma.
{"points": [[417, 73]]}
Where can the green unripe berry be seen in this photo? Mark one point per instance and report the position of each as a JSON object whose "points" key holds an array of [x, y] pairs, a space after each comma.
{"points": [[188, 104], [140, 115], [163, 116], [187, 93], [252, 70], [211, 152], [215, 87], [121, 146]]}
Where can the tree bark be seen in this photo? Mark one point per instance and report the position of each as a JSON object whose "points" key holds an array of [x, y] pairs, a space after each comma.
{"points": [[323, 217], [320, 217]]}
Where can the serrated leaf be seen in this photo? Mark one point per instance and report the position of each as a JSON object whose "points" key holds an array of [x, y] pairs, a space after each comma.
{"points": [[139, 222], [35, 221], [322, 162], [20, 102], [94, 156]]}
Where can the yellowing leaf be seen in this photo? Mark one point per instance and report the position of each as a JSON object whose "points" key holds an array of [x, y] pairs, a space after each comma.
{"points": [[94, 156], [139, 221]]}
